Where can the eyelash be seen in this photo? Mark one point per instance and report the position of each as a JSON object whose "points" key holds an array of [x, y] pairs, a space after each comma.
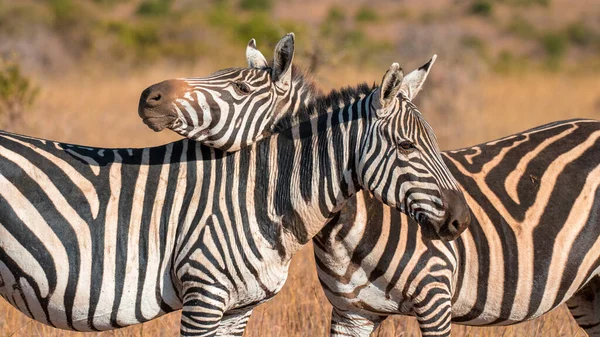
{"points": [[406, 146], [241, 88]]}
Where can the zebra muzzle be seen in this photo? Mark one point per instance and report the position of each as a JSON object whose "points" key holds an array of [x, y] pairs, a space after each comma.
{"points": [[458, 215], [157, 102]]}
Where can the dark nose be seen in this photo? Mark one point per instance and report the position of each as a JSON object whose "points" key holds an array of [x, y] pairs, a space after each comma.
{"points": [[156, 103], [151, 97], [458, 214], [158, 95]]}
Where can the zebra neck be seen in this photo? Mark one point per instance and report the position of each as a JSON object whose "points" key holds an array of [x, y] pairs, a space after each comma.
{"points": [[315, 171], [301, 96]]}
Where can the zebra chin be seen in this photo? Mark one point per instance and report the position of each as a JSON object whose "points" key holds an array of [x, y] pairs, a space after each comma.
{"points": [[454, 220], [158, 124]]}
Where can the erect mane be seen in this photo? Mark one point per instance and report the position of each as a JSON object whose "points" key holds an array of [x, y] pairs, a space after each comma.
{"points": [[322, 104], [302, 77]]}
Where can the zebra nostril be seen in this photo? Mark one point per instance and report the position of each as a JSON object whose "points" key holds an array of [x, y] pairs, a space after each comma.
{"points": [[454, 227], [154, 97]]}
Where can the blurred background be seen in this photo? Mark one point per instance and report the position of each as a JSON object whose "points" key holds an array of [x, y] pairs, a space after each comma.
{"points": [[72, 70]]}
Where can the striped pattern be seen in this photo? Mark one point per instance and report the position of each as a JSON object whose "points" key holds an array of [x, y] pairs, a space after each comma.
{"points": [[435, 198], [424, 187], [96, 239]]}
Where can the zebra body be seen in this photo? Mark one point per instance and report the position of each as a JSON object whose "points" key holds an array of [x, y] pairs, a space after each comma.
{"points": [[83, 244], [90, 243]]}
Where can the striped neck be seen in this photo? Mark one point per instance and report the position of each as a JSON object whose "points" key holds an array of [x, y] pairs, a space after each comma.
{"points": [[314, 167], [301, 97]]}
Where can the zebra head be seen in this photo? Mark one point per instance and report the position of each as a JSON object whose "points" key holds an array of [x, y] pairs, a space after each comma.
{"points": [[233, 107], [400, 161]]}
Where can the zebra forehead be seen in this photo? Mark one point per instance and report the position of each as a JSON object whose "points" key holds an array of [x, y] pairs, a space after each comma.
{"points": [[226, 75], [414, 114], [226, 71]]}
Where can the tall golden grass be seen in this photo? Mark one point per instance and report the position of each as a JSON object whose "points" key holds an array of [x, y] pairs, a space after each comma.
{"points": [[100, 110]]}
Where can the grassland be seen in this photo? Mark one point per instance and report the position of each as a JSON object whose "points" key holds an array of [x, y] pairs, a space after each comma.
{"points": [[500, 70]]}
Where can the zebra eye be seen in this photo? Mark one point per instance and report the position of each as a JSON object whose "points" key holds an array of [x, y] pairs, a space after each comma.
{"points": [[241, 88], [406, 145]]}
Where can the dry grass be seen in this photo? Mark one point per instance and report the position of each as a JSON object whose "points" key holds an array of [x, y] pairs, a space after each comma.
{"points": [[101, 110]]}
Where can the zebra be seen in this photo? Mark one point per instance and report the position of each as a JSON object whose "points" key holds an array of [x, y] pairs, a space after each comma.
{"points": [[535, 189], [532, 245], [95, 239], [100, 209]]}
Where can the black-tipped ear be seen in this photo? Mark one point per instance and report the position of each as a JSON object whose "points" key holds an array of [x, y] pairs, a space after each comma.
{"points": [[413, 82], [281, 72], [254, 57], [389, 89]]}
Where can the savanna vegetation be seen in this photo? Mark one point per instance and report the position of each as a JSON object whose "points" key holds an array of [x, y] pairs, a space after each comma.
{"points": [[72, 70]]}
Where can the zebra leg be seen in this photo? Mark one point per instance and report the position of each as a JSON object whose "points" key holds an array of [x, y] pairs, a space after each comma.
{"points": [[585, 307], [203, 310], [234, 324], [434, 313], [347, 323]]}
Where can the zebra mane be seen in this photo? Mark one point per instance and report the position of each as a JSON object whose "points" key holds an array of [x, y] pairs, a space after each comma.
{"points": [[322, 104], [302, 79]]}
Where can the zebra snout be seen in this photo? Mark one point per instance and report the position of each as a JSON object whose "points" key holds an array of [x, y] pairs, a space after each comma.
{"points": [[458, 215], [156, 103]]}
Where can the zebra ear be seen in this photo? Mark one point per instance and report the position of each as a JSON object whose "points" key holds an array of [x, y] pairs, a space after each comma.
{"points": [[281, 72], [254, 57], [413, 82], [389, 89]]}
